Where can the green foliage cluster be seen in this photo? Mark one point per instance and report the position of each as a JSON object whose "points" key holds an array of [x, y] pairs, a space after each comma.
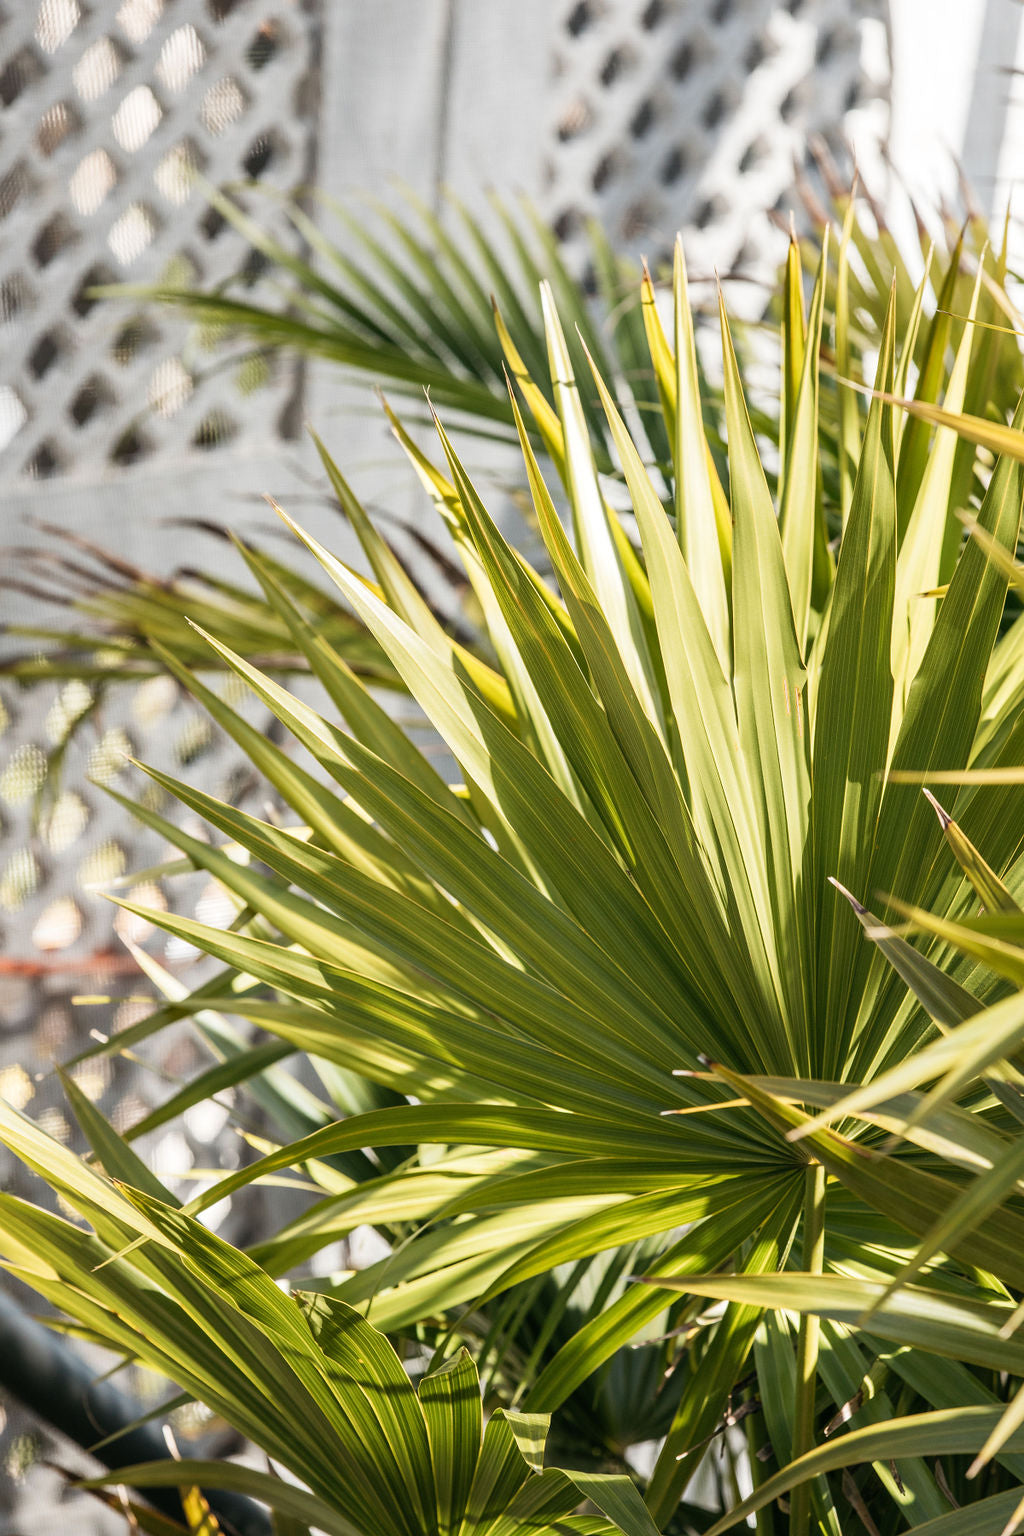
{"points": [[666, 1044]]}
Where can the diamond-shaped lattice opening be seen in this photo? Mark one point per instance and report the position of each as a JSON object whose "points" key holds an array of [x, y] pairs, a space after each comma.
{"points": [[93, 1077], [53, 1031], [50, 346], [106, 863], [754, 153], [15, 297], [605, 170], [194, 740], [576, 119], [13, 415], [215, 907], [182, 271], [253, 268], [137, 18], [66, 821], [58, 926], [56, 235], [684, 59], [717, 106], [16, 1086], [709, 210], [175, 175], [637, 220], [152, 798], [24, 774], [232, 690], [20, 71], [237, 785], [128, 1110], [132, 234], [581, 17], [567, 223], [43, 463], [19, 881], [170, 387], [57, 123], [856, 93], [94, 397], [84, 300], [791, 103], [134, 338], [13, 187], [253, 374], [94, 178], [213, 223], [643, 118], [182, 56], [214, 430], [97, 69], [54, 1122], [136, 119], [760, 48], [130, 447], [109, 755], [674, 165], [264, 45], [223, 105], [136, 929], [154, 699], [616, 65], [263, 149], [55, 23]]}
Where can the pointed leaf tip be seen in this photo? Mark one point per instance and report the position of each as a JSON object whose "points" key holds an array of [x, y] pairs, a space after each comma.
{"points": [[944, 817], [858, 906]]}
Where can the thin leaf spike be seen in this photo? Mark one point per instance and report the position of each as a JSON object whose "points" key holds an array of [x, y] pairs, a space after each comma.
{"points": [[908, 349], [544, 414], [794, 341], [854, 704], [918, 566], [913, 441], [595, 541], [661, 352], [769, 684], [799, 511], [849, 425], [532, 721], [700, 537], [724, 807], [991, 890]]}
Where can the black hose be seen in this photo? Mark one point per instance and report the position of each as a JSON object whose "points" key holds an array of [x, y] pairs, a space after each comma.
{"points": [[40, 1369]]}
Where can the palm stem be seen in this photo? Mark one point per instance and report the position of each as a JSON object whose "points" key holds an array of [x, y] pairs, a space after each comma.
{"points": [[807, 1345]]}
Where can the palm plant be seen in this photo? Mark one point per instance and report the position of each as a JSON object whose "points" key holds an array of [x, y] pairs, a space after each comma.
{"points": [[411, 305], [965, 1138], [606, 968], [416, 314], [307, 1379]]}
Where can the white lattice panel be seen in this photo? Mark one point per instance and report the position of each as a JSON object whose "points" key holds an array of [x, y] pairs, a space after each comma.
{"points": [[109, 111], [691, 114], [56, 854]]}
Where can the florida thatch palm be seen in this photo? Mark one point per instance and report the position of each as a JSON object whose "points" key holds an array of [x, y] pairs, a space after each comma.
{"points": [[612, 952]]}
